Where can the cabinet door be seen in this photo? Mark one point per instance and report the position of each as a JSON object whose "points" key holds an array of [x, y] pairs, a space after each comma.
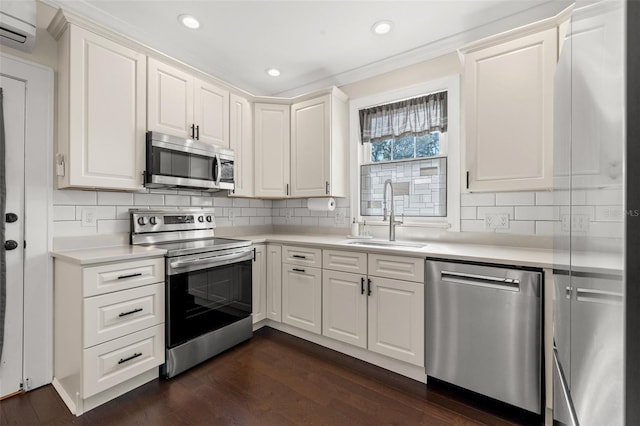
{"points": [[302, 297], [259, 288], [311, 147], [274, 282], [271, 151], [106, 113], [170, 100], [344, 307], [241, 142], [509, 114], [211, 113], [396, 319]]}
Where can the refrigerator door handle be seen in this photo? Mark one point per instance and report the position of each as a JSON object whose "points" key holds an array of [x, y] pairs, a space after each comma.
{"points": [[599, 296]]}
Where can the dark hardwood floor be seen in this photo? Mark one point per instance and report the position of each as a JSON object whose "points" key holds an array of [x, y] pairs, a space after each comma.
{"points": [[273, 379]]}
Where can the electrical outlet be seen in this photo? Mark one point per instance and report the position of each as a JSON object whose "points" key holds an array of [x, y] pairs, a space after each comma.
{"points": [[287, 215], [232, 214], [339, 218], [576, 223], [88, 217], [497, 221]]}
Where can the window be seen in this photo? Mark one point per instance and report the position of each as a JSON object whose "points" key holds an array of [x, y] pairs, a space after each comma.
{"points": [[400, 142], [422, 165]]}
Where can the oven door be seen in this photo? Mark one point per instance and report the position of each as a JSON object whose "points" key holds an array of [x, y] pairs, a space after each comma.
{"points": [[206, 292]]}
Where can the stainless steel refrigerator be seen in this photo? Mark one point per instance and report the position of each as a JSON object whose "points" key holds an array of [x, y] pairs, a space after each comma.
{"points": [[590, 243]]}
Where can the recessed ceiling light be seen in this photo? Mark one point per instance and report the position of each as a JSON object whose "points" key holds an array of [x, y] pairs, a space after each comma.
{"points": [[382, 27], [189, 21], [273, 72]]}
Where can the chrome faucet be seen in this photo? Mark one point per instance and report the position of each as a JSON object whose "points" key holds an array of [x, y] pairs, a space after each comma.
{"points": [[392, 216]]}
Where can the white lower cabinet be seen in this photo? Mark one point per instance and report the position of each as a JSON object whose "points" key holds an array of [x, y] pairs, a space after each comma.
{"points": [[384, 315], [108, 329], [274, 282], [259, 288], [344, 307], [396, 319], [302, 297]]}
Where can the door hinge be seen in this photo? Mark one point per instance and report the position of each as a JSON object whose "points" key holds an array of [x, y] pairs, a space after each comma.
{"points": [[59, 164], [467, 179]]}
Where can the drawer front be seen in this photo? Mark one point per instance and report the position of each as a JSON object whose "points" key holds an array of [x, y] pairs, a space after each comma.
{"points": [[302, 256], [118, 360], [122, 275], [401, 268], [345, 261], [113, 315]]}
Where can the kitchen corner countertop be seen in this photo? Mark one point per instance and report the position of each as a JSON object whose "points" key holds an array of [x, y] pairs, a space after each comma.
{"points": [[91, 256], [505, 255]]}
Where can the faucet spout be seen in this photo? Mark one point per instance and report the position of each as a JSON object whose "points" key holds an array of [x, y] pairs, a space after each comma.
{"points": [[392, 216]]}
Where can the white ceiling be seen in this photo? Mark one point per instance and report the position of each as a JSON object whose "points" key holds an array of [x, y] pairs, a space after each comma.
{"points": [[314, 43]]}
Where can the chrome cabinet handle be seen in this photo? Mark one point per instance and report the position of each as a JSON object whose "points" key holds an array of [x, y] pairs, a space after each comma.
{"points": [[598, 296]]}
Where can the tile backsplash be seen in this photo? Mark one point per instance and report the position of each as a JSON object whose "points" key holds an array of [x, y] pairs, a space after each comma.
{"points": [[112, 209], [596, 212]]}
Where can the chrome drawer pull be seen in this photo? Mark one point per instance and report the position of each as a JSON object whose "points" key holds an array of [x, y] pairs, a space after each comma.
{"points": [[123, 360], [137, 274], [124, 314]]}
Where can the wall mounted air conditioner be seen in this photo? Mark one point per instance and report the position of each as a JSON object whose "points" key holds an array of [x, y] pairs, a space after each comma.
{"points": [[18, 24]]}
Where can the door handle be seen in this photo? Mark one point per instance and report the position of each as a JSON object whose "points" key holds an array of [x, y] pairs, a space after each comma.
{"points": [[298, 270], [10, 245], [368, 286], [198, 132], [362, 285], [193, 131]]}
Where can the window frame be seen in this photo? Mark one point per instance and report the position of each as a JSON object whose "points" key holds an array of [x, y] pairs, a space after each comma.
{"points": [[361, 153]]}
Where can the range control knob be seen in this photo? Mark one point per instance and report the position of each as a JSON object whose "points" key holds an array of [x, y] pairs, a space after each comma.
{"points": [[208, 218], [153, 220], [141, 221], [200, 219]]}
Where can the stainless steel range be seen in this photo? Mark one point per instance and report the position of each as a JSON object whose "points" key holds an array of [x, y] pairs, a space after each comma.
{"points": [[208, 284]]}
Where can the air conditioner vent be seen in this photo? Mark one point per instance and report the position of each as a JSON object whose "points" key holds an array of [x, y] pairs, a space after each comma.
{"points": [[18, 24]]}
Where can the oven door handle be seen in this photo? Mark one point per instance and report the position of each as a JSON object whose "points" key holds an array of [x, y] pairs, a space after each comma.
{"points": [[212, 261]]}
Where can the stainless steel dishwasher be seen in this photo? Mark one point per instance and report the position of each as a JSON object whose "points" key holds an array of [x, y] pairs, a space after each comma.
{"points": [[483, 330]]}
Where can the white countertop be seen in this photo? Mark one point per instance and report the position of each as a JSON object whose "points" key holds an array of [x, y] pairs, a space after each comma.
{"points": [[106, 254], [500, 254], [539, 258]]}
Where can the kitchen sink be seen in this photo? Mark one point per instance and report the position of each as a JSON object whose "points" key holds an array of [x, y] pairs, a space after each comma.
{"points": [[384, 243]]}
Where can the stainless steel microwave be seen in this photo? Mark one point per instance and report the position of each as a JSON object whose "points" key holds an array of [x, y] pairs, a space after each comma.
{"points": [[174, 162]]}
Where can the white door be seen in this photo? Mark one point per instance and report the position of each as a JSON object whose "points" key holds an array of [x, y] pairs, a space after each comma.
{"points": [[271, 150], [241, 142], [310, 147], [14, 103], [170, 97], [344, 307], [274, 282], [211, 113], [302, 297], [259, 290], [396, 319]]}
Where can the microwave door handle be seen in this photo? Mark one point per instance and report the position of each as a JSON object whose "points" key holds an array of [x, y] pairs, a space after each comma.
{"points": [[218, 171]]}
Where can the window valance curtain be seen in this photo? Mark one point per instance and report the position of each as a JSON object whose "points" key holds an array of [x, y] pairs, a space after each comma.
{"points": [[417, 116]]}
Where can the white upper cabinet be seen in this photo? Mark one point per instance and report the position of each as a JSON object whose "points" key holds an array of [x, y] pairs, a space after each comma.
{"points": [[211, 111], [271, 144], [508, 98], [318, 146], [101, 112], [185, 106], [241, 142]]}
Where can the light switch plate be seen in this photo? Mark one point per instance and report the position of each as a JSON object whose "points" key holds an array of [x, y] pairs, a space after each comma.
{"points": [[497, 221], [339, 218]]}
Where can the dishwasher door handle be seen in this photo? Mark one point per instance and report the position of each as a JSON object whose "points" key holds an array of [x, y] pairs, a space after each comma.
{"points": [[481, 281]]}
